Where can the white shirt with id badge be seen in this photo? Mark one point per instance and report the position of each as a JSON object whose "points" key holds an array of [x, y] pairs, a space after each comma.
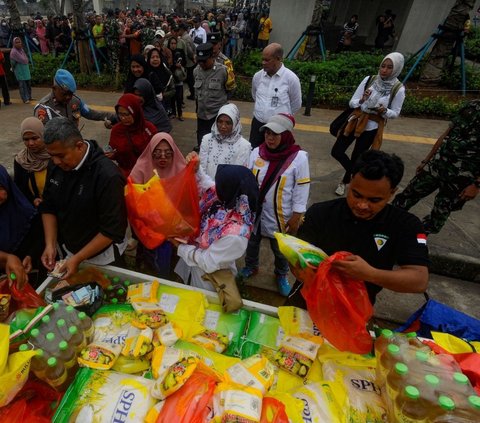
{"points": [[279, 93]]}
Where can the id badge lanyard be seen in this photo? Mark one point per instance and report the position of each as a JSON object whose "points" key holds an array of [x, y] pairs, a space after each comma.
{"points": [[274, 102]]}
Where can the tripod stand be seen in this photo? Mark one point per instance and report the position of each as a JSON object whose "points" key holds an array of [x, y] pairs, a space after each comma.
{"points": [[27, 42], [420, 54], [309, 32], [93, 49]]}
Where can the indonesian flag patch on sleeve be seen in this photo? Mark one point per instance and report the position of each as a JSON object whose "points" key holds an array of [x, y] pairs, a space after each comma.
{"points": [[422, 239]]}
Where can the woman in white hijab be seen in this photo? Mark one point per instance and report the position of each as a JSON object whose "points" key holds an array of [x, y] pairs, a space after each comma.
{"points": [[376, 99], [225, 144]]}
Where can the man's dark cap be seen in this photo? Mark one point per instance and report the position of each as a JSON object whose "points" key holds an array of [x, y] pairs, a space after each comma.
{"points": [[204, 51], [214, 37]]}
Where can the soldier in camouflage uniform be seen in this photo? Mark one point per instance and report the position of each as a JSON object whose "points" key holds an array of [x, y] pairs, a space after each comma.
{"points": [[215, 39], [452, 167], [148, 34]]}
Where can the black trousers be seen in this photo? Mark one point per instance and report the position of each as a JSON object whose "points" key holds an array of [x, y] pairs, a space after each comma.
{"points": [[363, 143], [5, 93], [177, 101], [204, 127], [191, 81], [256, 137]]}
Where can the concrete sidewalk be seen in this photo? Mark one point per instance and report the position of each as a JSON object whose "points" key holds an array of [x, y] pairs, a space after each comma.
{"points": [[454, 252]]}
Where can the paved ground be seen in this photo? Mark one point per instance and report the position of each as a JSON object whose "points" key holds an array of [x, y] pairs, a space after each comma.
{"points": [[410, 138]]}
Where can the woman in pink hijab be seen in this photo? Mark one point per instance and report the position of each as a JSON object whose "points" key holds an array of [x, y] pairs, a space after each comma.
{"points": [[41, 32], [163, 157]]}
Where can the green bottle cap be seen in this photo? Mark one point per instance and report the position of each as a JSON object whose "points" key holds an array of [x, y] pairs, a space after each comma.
{"points": [[401, 369], [110, 288], [46, 319], [127, 283], [35, 332], [63, 345], [52, 361], [120, 291], [73, 330], [460, 378], [446, 403], [412, 392], [474, 401], [70, 309], [411, 335], [421, 356], [106, 276], [50, 336], [386, 333], [61, 323], [432, 380], [23, 347], [114, 300], [56, 306], [82, 315], [13, 276], [393, 349], [116, 279], [40, 352]]}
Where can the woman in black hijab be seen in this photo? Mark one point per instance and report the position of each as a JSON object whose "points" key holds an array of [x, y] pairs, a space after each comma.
{"points": [[137, 69], [153, 109]]}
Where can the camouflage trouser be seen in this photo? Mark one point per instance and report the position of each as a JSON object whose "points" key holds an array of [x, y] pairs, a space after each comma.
{"points": [[449, 187]]}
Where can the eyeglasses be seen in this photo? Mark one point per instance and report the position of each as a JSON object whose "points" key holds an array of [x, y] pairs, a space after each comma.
{"points": [[162, 153]]}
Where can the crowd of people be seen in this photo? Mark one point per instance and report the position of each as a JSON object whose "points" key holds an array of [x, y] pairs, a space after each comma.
{"points": [[248, 188]]}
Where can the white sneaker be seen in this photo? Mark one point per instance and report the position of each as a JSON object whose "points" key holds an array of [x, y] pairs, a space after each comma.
{"points": [[340, 189]]}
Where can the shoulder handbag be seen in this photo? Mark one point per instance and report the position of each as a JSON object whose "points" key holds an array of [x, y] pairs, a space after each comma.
{"points": [[341, 120]]}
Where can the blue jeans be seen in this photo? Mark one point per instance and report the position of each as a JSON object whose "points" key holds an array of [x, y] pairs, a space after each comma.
{"points": [[253, 252], [25, 90]]}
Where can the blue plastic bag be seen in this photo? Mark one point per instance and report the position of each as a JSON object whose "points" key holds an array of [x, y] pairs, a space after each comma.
{"points": [[435, 316]]}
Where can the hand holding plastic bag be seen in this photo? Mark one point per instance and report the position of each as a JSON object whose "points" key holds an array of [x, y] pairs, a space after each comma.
{"points": [[340, 308], [164, 208]]}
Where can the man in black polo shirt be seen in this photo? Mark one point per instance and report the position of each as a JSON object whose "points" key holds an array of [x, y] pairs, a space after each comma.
{"points": [[83, 208], [379, 235]]}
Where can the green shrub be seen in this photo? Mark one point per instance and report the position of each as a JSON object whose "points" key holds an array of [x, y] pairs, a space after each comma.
{"points": [[339, 76], [472, 44], [45, 67]]}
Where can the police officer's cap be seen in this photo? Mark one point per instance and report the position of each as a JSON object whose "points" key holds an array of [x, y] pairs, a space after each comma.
{"points": [[204, 51], [65, 80], [214, 37]]}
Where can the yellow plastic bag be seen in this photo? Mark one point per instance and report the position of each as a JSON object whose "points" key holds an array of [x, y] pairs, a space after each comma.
{"points": [[324, 402], [255, 371], [453, 344], [211, 340], [235, 403], [138, 342], [15, 368], [297, 353], [184, 307], [167, 335], [174, 377], [296, 321], [145, 292]]}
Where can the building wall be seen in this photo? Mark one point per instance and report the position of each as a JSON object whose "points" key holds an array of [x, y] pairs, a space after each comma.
{"points": [[288, 22]]}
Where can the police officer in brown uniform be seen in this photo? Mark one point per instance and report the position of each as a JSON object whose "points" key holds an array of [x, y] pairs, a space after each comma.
{"points": [[210, 89], [62, 101]]}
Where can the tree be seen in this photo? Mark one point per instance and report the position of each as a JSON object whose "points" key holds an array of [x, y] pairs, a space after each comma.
{"points": [[16, 22], [54, 7], [180, 6], [81, 35], [451, 33]]}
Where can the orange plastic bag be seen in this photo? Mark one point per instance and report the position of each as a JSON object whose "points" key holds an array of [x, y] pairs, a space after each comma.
{"points": [[273, 411], [164, 208], [193, 402], [339, 307]]}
